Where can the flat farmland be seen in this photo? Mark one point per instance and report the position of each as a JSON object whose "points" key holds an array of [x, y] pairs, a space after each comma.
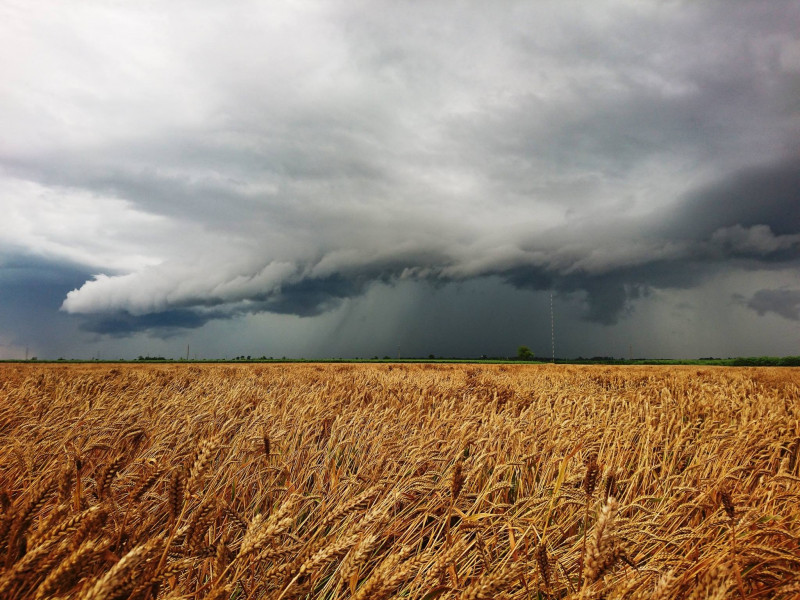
{"points": [[375, 481]]}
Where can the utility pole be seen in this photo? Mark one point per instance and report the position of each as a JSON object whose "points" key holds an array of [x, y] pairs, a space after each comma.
{"points": [[552, 329], [187, 351]]}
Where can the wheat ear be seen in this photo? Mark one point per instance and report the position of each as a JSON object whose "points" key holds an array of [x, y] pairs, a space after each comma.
{"points": [[603, 549]]}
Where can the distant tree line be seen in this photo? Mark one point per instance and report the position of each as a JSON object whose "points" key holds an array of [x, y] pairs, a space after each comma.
{"points": [[524, 354], [767, 361]]}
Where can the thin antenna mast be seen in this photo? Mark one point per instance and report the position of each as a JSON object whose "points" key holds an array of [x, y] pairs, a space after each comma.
{"points": [[552, 328]]}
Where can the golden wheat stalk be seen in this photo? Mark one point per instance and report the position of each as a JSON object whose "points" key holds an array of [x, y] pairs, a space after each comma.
{"points": [[489, 585], [121, 578], [69, 570], [603, 548]]}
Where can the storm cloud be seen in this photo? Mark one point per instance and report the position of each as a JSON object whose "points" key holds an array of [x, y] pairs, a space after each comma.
{"points": [[207, 162], [785, 303]]}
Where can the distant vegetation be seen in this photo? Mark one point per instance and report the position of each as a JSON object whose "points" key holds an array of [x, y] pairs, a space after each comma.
{"points": [[524, 354], [767, 361], [756, 361]]}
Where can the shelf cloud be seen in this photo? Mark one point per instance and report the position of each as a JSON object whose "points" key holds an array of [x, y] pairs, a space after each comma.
{"points": [[204, 162], [610, 260]]}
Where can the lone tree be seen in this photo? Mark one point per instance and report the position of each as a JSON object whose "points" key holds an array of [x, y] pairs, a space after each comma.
{"points": [[524, 353]]}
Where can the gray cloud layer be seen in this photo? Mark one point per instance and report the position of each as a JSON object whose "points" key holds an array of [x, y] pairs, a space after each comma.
{"points": [[209, 161], [785, 303]]}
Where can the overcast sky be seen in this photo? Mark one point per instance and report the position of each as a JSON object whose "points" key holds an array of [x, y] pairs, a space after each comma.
{"points": [[381, 178]]}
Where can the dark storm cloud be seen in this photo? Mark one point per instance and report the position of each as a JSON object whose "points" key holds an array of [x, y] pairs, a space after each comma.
{"points": [[765, 195], [307, 298], [285, 159], [165, 324], [31, 290], [30, 278], [610, 296], [749, 217], [785, 303], [313, 296], [752, 217]]}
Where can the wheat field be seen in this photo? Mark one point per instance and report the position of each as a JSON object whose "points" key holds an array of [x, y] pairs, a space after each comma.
{"points": [[337, 481]]}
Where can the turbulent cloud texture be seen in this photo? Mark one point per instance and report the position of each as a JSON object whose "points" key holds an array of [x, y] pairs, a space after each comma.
{"points": [[785, 303], [209, 160]]}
